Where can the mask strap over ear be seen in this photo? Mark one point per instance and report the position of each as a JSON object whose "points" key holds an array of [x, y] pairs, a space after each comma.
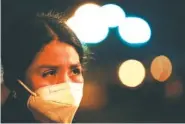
{"points": [[31, 92]]}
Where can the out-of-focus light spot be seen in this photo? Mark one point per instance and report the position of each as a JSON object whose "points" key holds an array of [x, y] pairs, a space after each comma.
{"points": [[173, 89], [131, 73], [134, 30], [113, 15], [161, 68], [94, 97], [87, 9], [88, 25], [71, 23]]}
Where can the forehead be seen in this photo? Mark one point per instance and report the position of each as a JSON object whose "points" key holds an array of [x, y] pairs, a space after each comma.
{"points": [[57, 53]]}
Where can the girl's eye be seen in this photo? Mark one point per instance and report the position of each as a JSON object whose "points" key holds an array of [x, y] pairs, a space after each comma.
{"points": [[49, 73]]}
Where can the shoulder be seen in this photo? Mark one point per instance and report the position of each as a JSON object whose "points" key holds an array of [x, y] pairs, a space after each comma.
{"points": [[13, 111]]}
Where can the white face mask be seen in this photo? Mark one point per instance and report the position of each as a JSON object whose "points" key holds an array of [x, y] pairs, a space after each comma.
{"points": [[55, 103]]}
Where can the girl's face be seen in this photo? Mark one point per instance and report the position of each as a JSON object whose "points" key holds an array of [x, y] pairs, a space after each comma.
{"points": [[57, 62]]}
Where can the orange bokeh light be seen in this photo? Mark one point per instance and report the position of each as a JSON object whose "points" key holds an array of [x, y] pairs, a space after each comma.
{"points": [[94, 96], [161, 68]]}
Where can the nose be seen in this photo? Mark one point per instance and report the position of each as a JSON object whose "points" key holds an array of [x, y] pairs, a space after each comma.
{"points": [[63, 77]]}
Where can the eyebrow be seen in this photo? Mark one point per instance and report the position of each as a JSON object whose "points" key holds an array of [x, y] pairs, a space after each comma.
{"points": [[75, 65], [56, 66], [47, 66]]}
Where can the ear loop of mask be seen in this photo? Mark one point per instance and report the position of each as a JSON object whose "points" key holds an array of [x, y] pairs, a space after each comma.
{"points": [[31, 92]]}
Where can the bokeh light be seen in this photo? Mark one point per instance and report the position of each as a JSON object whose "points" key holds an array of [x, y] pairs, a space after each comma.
{"points": [[173, 89], [94, 97], [112, 14], [131, 73], [87, 9], [135, 30], [161, 68], [88, 25]]}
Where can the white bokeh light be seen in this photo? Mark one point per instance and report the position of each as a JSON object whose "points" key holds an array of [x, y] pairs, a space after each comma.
{"points": [[88, 25], [87, 9], [135, 30], [112, 15]]}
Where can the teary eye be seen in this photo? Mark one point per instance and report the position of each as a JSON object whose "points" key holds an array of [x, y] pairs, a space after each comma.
{"points": [[76, 71], [50, 72]]}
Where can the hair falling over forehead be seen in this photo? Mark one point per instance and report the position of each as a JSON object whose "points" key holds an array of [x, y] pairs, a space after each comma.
{"points": [[27, 36]]}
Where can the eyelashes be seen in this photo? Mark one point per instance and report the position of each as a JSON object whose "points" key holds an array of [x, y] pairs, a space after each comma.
{"points": [[51, 72], [75, 71]]}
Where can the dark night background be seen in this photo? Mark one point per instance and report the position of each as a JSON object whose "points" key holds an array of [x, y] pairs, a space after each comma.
{"points": [[143, 104]]}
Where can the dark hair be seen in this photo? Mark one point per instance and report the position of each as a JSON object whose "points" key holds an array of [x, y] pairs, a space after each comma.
{"points": [[27, 36]]}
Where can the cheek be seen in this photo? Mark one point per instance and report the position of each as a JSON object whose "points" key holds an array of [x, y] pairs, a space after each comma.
{"points": [[78, 79], [36, 82]]}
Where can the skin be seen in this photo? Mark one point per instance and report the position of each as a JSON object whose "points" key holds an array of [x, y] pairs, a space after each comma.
{"points": [[4, 93], [57, 62]]}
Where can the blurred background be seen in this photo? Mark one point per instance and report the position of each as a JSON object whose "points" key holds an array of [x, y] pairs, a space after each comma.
{"points": [[137, 70]]}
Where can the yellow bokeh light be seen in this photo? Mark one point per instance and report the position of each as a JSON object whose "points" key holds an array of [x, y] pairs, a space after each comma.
{"points": [[161, 68], [131, 73]]}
